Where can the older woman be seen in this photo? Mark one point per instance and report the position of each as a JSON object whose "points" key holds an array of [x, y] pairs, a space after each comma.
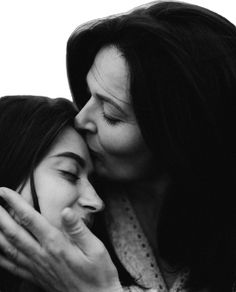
{"points": [[156, 88]]}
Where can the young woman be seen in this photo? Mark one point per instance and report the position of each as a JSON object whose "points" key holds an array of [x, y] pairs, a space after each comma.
{"points": [[44, 158], [156, 88]]}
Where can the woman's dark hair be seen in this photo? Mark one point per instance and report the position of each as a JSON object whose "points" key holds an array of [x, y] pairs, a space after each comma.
{"points": [[28, 127], [182, 62]]}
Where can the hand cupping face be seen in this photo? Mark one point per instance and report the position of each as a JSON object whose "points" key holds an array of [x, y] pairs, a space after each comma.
{"points": [[37, 246]]}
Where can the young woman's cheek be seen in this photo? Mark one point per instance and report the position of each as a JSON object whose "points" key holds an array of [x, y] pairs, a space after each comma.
{"points": [[54, 194]]}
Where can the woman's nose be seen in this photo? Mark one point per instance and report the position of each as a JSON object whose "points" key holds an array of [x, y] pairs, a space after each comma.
{"points": [[85, 118], [89, 199]]}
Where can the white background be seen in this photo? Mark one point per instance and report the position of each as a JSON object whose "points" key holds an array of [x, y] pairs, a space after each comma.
{"points": [[33, 36]]}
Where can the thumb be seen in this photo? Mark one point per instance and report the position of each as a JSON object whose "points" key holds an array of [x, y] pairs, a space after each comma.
{"points": [[78, 232]]}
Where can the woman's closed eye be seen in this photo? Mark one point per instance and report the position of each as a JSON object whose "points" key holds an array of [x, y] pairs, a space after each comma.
{"points": [[110, 120], [70, 175], [110, 115]]}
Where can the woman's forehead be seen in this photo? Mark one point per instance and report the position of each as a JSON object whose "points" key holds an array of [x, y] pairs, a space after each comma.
{"points": [[110, 72]]}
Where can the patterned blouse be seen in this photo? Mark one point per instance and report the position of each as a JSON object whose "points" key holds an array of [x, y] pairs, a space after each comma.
{"points": [[133, 249]]}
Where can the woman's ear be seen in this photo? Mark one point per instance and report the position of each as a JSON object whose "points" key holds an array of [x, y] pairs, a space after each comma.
{"points": [[24, 190]]}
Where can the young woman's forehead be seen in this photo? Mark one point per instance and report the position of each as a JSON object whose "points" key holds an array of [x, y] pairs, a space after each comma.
{"points": [[70, 141]]}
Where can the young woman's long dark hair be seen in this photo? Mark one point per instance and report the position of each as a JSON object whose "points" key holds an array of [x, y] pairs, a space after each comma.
{"points": [[28, 127], [182, 61]]}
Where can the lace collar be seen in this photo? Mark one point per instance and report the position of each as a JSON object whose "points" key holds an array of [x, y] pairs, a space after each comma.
{"points": [[133, 249]]}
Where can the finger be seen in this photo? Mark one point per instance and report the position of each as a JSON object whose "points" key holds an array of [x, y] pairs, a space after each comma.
{"points": [[14, 269], [28, 256], [79, 233], [16, 235], [12, 254], [28, 217]]}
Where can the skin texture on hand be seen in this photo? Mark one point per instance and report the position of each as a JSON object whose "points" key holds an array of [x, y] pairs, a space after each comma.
{"points": [[70, 261]]}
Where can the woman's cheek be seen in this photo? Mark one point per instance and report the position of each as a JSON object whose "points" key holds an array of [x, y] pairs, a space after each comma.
{"points": [[54, 195], [122, 140]]}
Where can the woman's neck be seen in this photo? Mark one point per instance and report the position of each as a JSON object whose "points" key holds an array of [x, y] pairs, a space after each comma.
{"points": [[147, 199]]}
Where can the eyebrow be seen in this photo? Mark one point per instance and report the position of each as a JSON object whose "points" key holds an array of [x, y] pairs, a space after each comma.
{"points": [[73, 156], [107, 99]]}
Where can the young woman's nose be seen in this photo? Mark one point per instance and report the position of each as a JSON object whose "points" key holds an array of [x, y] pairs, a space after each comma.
{"points": [[85, 118], [89, 199]]}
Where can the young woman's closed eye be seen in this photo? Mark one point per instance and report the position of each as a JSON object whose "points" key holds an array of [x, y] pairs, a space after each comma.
{"points": [[110, 114], [71, 176]]}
